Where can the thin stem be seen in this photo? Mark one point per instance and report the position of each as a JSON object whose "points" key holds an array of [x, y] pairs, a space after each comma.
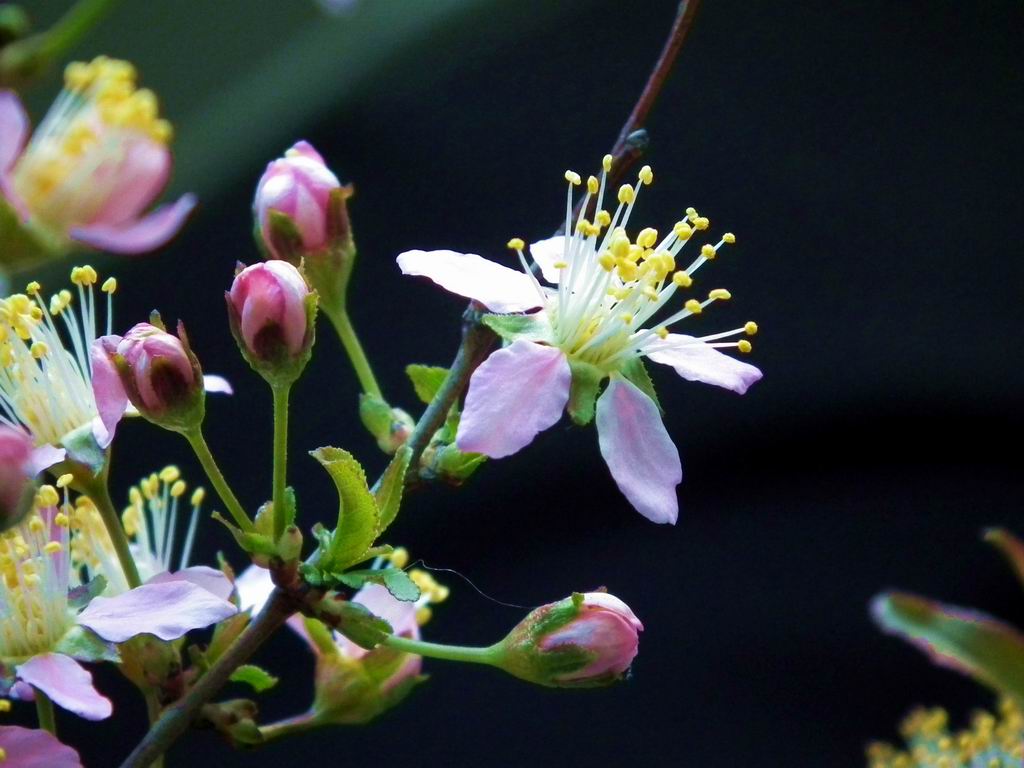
{"points": [[74, 25], [153, 710], [289, 727], [202, 450], [177, 718], [281, 392], [44, 712], [469, 654], [347, 333], [96, 489]]}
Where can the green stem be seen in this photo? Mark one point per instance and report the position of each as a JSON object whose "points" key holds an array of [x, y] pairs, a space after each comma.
{"points": [[202, 450], [96, 489], [489, 655], [153, 710], [347, 333], [281, 392], [289, 727], [74, 25], [44, 711]]}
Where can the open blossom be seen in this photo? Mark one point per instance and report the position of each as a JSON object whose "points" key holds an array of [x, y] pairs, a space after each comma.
{"points": [[34, 748], [42, 634], [94, 165], [608, 309]]}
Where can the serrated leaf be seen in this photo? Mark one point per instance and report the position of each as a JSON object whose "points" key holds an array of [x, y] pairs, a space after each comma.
{"points": [[636, 373], [389, 495], [970, 642], [358, 519], [426, 380], [395, 580], [255, 677], [535, 327], [586, 381], [361, 627]]}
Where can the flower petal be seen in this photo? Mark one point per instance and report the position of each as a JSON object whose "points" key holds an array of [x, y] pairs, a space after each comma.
{"points": [[498, 288], [167, 610], [107, 389], [35, 748], [218, 385], [696, 360], [44, 457], [14, 129], [133, 181], [642, 458], [254, 586], [141, 235], [68, 683], [210, 579], [517, 392], [547, 253]]}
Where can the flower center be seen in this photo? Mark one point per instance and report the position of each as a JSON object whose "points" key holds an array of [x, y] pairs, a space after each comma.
{"points": [[85, 141]]}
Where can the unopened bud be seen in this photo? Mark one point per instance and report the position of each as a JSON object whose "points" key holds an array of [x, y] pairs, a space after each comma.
{"points": [[391, 427], [16, 485]]}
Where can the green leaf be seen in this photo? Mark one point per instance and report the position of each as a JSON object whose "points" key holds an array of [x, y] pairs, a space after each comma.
{"points": [[1011, 547], [535, 327], [586, 381], [290, 506], [426, 380], [397, 582], [389, 496], [255, 677], [253, 543], [361, 627], [636, 372], [85, 645], [358, 519], [970, 642]]}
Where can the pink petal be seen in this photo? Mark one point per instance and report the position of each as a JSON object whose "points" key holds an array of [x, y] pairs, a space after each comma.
{"points": [[516, 393], [399, 614], [609, 602], [107, 389], [696, 360], [167, 610], [44, 457], [14, 129], [141, 235], [134, 181], [498, 288], [254, 586], [214, 384], [68, 683], [547, 253], [210, 579], [34, 748], [642, 458]]}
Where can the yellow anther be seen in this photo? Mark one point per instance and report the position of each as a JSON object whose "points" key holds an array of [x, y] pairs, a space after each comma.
{"points": [[603, 218], [36, 524], [707, 251], [52, 547], [627, 318], [32, 580], [729, 238], [399, 557], [39, 350], [646, 175], [691, 213], [647, 237], [5, 706], [607, 261], [47, 496], [702, 222], [720, 294], [682, 279], [573, 178], [693, 307], [592, 185], [744, 346], [61, 519], [170, 473], [650, 292], [627, 271], [635, 253], [32, 289], [423, 614], [750, 328], [178, 489], [516, 244], [626, 194], [65, 480], [560, 265], [84, 275], [662, 332], [109, 285], [606, 163], [197, 496], [682, 230]]}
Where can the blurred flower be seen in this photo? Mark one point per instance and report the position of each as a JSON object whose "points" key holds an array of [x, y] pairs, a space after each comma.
{"points": [[43, 638], [34, 748], [990, 742], [585, 640], [16, 472], [590, 328], [96, 162]]}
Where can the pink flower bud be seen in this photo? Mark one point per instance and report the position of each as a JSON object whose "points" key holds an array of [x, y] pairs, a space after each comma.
{"points": [[16, 452], [268, 302], [298, 186], [583, 641]]}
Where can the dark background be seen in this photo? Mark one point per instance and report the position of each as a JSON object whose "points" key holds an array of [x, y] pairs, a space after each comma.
{"points": [[868, 157]]}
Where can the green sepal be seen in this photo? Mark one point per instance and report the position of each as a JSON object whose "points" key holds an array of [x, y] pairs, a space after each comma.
{"points": [[80, 596], [85, 645], [361, 627], [255, 677], [257, 544], [388, 496], [426, 380], [586, 382], [82, 449], [312, 575], [320, 636], [535, 327], [446, 462], [395, 580], [284, 236], [977, 645], [290, 506], [358, 519], [636, 373]]}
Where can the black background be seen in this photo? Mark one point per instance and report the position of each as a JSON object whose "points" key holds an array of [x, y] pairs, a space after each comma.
{"points": [[868, 157]]}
